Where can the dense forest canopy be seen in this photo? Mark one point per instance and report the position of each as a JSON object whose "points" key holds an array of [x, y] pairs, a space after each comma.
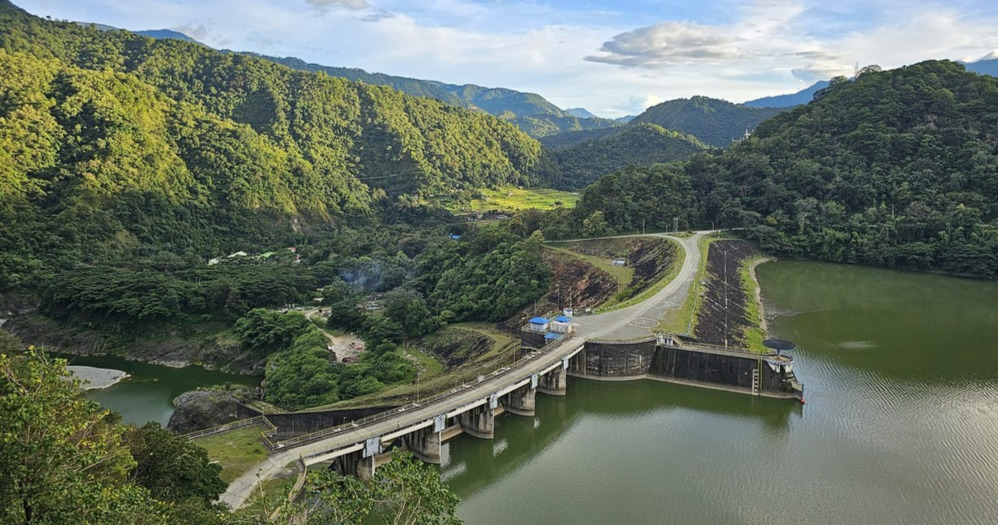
{"points": [[530, 112], [114, 145], [718, 123], [895, 168], [575, 167]]}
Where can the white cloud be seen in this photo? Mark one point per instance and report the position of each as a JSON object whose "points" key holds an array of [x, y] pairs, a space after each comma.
{"points": [[323, 5], [636, 105], [669, 43], [735, 50]]}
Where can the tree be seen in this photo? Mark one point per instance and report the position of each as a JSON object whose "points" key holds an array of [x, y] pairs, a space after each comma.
{"points": [[61, 455], [408, 308], [267, 331], [595, 225], [403, 492], [406, 491], [171, 467]]}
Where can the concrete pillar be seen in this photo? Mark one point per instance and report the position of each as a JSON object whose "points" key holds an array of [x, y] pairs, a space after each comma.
{"points": [[521, 401], [479, 422], [354, 464], [424, 444], [554, 383]]}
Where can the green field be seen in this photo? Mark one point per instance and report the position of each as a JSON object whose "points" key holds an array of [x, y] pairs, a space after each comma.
{"points": [[513, 199], [510, 200], [237, 451]]}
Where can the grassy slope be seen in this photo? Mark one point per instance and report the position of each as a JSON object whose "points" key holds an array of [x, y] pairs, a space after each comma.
{"points": [[623, 274], [756, 333], [237, 451]]}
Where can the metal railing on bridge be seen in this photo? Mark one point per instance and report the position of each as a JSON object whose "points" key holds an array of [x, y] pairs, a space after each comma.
{"points": [[319, 435], [235, 425]]}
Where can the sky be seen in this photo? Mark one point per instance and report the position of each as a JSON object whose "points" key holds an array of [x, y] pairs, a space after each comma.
{"points": [[612, 57]]}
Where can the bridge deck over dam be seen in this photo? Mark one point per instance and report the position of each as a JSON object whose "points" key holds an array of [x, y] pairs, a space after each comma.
{"points": [[354, 448]]}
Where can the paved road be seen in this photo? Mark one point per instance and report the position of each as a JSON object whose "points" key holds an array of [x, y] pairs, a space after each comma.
{"points": [[619, 324]]}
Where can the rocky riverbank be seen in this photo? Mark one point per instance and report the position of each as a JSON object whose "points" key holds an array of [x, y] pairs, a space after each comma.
{"points": [[95, 378]]}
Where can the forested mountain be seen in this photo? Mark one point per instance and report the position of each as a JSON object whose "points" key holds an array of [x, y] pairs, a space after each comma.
{"points": [[712, 121], [580, 112], [530, 112], [896, 168], [572, 138], [167, 33], [579, 165], [790, 100], [984, 67], [113, 144]]}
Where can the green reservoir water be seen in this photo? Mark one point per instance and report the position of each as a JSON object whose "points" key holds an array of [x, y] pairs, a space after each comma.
{"points": [[148, 394], [900, 426]]}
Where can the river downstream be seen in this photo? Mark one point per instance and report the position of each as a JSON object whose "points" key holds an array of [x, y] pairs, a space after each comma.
{"points": [[901, 425], [147, 393]]}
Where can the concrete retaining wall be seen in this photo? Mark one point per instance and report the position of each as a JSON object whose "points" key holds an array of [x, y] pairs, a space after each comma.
{"points": [[615, 359], [650, 358], [290, 425]]}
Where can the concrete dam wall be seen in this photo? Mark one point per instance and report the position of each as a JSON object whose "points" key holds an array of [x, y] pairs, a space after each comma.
{"points": [[670, 359]]}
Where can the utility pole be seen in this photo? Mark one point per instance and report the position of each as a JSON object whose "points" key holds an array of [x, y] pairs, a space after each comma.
{"points": [[642, 226], [675, 224]]}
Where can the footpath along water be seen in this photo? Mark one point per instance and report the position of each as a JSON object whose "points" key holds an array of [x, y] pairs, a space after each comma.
{"points": [[901, 425], [148, 393]]}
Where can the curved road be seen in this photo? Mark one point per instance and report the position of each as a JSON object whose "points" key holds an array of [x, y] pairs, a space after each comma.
{"points": [[627, 323]]}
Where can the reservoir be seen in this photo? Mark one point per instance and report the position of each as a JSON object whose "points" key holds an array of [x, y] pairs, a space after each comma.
{"points": [[900, 426], [148, 393]]}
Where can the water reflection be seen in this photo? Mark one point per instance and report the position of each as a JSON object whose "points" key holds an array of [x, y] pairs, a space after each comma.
{"points": [[475, 464]]}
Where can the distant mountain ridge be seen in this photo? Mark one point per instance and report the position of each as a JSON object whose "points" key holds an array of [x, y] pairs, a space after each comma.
{"points": [[580, 113], [984, 67], [596, 153], [530, 112], [714, 122], [789, 100], [169, 33]]}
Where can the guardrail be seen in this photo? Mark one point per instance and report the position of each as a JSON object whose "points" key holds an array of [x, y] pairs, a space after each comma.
{"points": [[707, 347], [388, 414], [235, 425], [296, 490]]}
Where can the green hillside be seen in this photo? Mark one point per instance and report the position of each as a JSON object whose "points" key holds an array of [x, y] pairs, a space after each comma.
{"points": [[712, 121], [896, 168], [579, 165], [114, 144], [532, 113]]}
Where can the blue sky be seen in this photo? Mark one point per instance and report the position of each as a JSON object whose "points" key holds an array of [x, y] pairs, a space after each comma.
{"points": [[611, 57]]}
